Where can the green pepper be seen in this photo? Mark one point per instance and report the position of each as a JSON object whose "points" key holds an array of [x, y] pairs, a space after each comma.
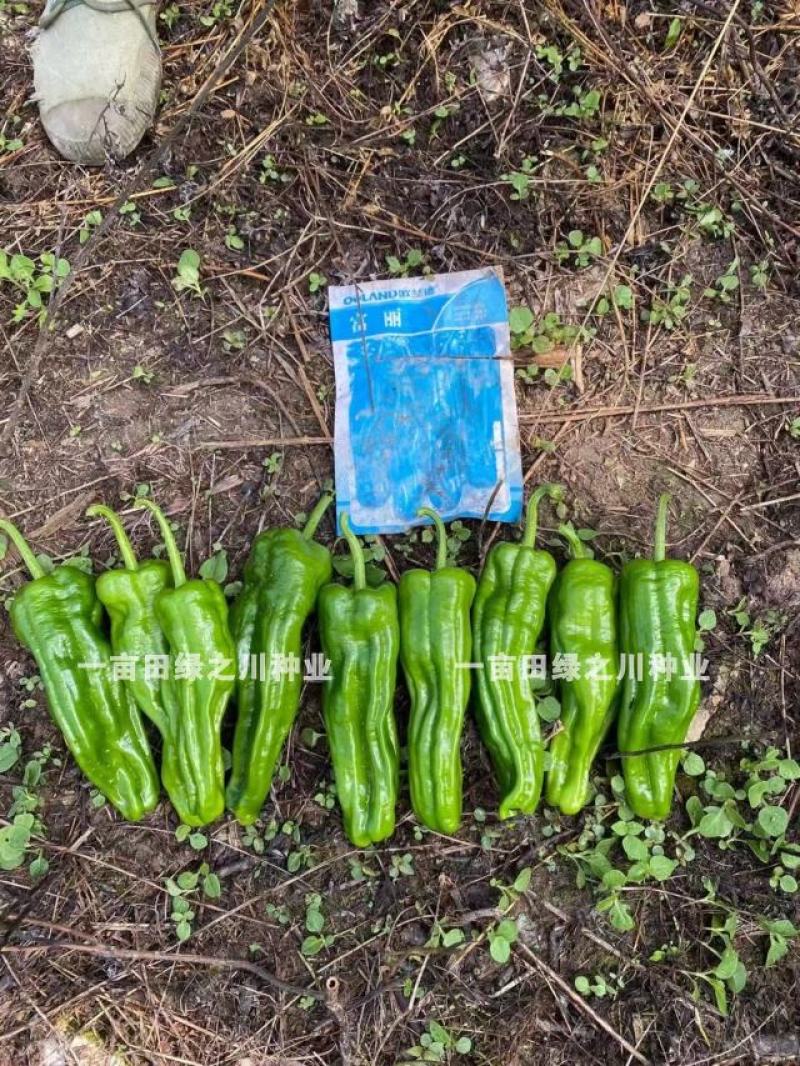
{"points": [[360, 637], [435, 650], [583, 627], [58, 617], [657, 627], [193, 616], [129, 596], [507, 619], [282, 577]]}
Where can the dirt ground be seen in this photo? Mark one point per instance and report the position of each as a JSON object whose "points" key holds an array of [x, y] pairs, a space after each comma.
{"points": [[475, 134]]}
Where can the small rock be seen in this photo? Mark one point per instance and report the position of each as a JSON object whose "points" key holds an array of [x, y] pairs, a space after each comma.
{"points": [[492, 73]]}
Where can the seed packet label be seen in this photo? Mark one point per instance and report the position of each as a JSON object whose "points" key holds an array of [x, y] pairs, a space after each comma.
{"points": [[425, 408]]}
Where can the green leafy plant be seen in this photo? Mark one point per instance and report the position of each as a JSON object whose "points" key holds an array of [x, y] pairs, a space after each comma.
{"points": [[579, 248], [759, 275], [34, 279], [726, 284], [316, 941], [401, 268], [316, 282], [233, 340], [10, 748], [729, 975], [541, 335], [585, 105], [182, 887], [762, 825], [215, 568], [520, 180], [445, 937], [195, 838], [621, 296], [436, 1043], [759, 631], [170, 15], [326, 796], [270, 172], [90, 223], [131, 214], [630, 854], [17, 838], [232, 240], [710, 220], [780, 932], [220, 9], [505, 933], [557, 60], [673, 34], [501, 937], [188, 275], [670, 309], [10, 144], [440, 115], [599, 985], [401, 866], [141, 373]]}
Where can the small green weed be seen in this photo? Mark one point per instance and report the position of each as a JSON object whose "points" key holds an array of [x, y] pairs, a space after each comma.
{"points": [[34, 279], [578, 248]]}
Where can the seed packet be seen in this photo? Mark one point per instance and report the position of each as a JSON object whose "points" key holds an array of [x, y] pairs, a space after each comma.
{"points": [[425, 407]]}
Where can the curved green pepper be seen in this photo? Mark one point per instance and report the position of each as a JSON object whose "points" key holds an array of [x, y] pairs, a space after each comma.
{"points": [[657, 617], [583, 624], [282, 577], [57, 617], [194, 620], [360, 636], [129, 596], [507, 619], [435, 650]]}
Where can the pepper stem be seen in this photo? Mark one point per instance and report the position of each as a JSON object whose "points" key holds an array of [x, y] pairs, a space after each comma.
{"points": [[660, 539], [35, 568], [99, 510], [577, 548], [310, 528], [555, 492], [175, 560], [441, 534], [357, 552]]}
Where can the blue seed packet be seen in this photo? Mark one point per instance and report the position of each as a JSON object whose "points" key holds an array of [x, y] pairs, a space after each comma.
{"points": [[425, 408]]}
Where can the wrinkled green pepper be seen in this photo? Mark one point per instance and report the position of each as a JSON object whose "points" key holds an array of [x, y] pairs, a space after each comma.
{"points": [[583, 627], [435, 650], [58, 617], [193, 616], [129, 596], [657, 617], [282, 578], [360, 637], [507, 619]]}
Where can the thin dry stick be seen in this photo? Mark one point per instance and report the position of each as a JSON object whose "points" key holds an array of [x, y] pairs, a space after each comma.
{"points": [[771, 503], [263, 442], [758, 399]]}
